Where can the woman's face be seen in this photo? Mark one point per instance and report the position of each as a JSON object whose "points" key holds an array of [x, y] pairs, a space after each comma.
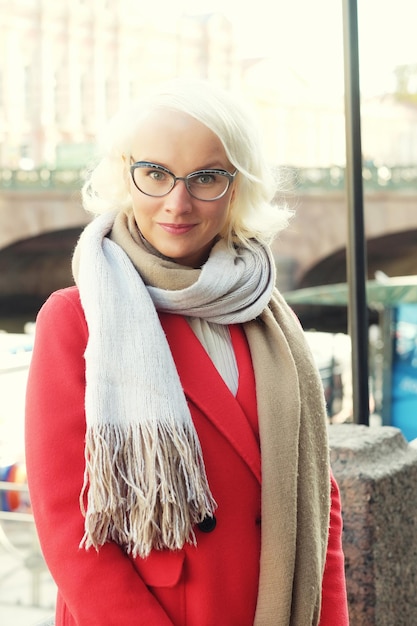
{"points": [[178, 225]]}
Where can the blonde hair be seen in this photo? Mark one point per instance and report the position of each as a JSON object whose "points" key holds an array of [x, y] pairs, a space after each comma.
{"points": [[253, 212]]}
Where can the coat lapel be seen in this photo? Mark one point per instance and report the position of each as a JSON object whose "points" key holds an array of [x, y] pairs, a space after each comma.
{"points": [[205, 388]]}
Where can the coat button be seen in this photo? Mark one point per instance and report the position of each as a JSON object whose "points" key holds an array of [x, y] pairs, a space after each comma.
{"points": [[207, 525]]}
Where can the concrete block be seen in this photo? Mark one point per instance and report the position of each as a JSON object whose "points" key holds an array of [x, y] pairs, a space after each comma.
{"points": [[376, 470]]}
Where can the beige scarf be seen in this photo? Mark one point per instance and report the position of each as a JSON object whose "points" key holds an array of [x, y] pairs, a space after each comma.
{"points": [[292, 422]]}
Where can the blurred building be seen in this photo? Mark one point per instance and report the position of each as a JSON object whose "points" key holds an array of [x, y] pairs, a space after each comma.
{"points": [[304, 124], [389, 130], [67, 66]]}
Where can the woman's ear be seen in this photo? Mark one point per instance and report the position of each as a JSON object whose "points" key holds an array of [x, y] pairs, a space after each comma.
{"points": [[126, 170], [235, 190]]}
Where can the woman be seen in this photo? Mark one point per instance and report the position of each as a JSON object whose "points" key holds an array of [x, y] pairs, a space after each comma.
{"points": [[176, 431]]}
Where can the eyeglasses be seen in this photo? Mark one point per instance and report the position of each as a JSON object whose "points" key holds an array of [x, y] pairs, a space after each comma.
{"points": [[157, 181]]}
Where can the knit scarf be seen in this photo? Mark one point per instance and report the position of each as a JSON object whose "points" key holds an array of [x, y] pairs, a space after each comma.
{"points": [[145, 485]]}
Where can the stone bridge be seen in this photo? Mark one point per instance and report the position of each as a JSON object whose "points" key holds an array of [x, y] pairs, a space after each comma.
{"points": [[315, 242], [41, 217]]}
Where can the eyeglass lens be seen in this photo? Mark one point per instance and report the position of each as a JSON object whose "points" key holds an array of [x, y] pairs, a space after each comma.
{"points": [[158, 182]]}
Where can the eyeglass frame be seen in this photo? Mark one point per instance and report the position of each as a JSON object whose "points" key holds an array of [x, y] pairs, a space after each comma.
{"points": [[229, 176]]}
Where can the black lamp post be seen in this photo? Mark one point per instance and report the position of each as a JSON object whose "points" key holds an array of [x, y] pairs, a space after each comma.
{"points": [[356, 249]]}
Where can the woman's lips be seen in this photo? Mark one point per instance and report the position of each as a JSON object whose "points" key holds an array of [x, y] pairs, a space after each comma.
{"points": [[177, 229]]}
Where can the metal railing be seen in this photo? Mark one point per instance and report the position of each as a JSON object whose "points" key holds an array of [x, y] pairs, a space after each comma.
{"points": [[375, 178], [41, 179], [295, 179], [31, 557]]}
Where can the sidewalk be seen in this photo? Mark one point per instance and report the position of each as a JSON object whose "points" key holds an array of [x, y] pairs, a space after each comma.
{"points": [[27, 591]]}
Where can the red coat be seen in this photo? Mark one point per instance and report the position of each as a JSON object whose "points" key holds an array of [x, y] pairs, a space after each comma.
{"points": [[214, 584]]}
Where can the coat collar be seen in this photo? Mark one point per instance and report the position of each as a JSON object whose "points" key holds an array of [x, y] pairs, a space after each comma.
{"points": [[205, 388]]}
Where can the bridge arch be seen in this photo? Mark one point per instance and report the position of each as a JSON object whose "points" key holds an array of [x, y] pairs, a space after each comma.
{"points": [[395, 254], [30, 269]]}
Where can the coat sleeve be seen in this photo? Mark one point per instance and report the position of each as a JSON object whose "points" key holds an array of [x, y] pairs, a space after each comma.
{"points": [[97, 587], [334, 608]]}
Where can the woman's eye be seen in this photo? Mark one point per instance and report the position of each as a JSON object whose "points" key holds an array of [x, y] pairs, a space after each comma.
{"points": [[205, 179], [157, 175]]}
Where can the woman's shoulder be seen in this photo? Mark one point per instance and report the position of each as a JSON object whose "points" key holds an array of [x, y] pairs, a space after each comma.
{"points": [[62, 305], [60, 330], [64, 297]]}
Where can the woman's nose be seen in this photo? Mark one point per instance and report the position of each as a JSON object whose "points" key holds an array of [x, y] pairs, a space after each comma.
{"points": [[179, 199]]}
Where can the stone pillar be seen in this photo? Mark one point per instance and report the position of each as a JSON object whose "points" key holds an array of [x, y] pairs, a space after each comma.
{"points": [[376, 470]]}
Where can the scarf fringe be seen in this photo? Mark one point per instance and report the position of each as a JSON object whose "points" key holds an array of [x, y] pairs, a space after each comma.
{"points": [[145, 486]]}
